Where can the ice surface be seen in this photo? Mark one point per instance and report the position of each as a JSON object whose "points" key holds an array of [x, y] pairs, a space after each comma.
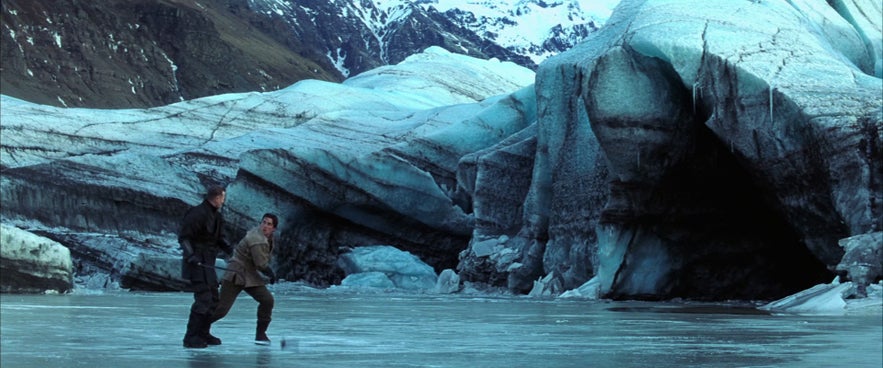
{"points": [[348, 329]]}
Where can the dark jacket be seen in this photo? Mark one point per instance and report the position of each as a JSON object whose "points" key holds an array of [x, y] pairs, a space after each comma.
{"points": [[202, 227]]}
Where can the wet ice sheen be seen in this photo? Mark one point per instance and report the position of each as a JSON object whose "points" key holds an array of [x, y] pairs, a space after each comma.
{"points": [[325, 329]]}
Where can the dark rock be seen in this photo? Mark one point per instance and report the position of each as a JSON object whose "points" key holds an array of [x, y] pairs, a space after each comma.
{"points": [[161, 272], [863, 260]]}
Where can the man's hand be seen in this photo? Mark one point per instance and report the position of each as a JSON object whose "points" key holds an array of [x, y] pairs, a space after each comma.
{"points": [[226, 248], [187, 251], [270, 275]]}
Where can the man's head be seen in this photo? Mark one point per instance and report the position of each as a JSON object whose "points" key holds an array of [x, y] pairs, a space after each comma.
{"points": [[216, 195], [268, 224]]}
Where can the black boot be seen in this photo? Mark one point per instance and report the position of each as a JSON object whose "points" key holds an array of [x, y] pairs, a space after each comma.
{"points": [[193, 338], [260, 336], [207, 335]]}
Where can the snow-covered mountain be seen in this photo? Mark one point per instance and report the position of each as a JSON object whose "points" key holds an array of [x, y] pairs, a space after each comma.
{"points": [[121, 53], [535, 28]]}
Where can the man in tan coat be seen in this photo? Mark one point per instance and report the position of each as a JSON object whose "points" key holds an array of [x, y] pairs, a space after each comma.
{"points": [[250, 256]]}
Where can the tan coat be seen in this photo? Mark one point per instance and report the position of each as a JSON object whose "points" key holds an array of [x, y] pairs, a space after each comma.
{"points": [[251, 255]]}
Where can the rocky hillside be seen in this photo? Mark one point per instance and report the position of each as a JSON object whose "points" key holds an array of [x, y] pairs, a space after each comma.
{"points": [[146, 53], [122, 53]]}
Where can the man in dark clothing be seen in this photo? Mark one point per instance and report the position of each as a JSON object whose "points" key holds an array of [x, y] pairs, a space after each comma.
{"points": [[201, 238]]}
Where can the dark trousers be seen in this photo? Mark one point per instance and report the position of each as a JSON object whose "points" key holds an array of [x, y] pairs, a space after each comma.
{"points": [[229, 292], [205, 299], [204, 281]]}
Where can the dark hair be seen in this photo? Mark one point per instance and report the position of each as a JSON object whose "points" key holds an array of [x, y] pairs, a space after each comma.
{"points": [[272, 217], [215, 191]]}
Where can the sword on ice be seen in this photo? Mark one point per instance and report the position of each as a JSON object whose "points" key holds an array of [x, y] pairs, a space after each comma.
{"points": [[217, 267], [226, 269]]}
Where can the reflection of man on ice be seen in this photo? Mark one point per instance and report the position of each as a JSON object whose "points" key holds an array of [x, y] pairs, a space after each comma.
{"points": [[200, 239], [250, 256]]}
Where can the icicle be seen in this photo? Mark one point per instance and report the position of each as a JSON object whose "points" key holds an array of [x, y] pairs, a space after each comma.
{"points": [[771, 103], [639, 158]]}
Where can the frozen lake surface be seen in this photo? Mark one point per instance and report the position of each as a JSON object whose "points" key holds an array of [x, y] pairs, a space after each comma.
{"points": [[335, 329]]}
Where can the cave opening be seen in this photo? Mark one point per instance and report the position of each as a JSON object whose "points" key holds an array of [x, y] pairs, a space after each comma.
{"points": [[726, 232]]}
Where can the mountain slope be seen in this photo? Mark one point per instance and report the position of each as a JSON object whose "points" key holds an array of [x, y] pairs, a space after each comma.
{"points": [[122, 53], [145, 53]]}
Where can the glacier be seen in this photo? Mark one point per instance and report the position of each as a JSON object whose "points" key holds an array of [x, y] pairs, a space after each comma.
{"points": [[685, 150]]}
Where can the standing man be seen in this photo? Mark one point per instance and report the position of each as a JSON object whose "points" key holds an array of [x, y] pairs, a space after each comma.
{"points": [[251, 255], [200, 239]]}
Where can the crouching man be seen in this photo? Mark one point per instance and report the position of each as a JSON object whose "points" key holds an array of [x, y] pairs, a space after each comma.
{"points": [[251, 256]]}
